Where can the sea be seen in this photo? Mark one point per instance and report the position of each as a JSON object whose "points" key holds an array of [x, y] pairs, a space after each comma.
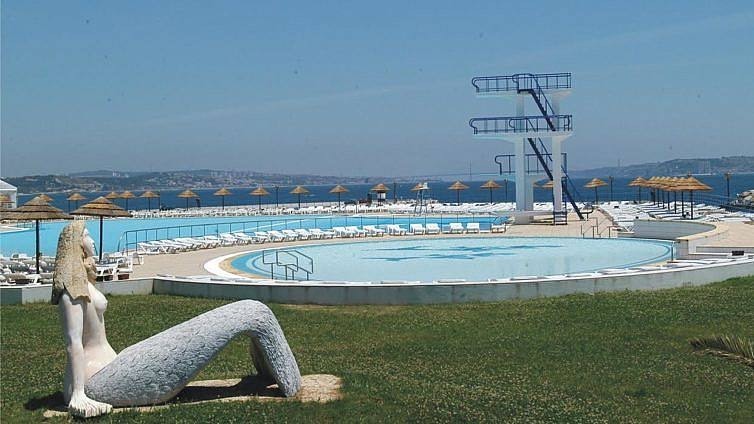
{"points": [[402, 191]]}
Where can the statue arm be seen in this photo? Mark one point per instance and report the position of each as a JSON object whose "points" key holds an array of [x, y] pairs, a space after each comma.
{"points": [[72, 316]]}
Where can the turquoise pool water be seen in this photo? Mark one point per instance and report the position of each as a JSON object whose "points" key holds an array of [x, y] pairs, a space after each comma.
{"points": [[472, 259], [115, 230]]}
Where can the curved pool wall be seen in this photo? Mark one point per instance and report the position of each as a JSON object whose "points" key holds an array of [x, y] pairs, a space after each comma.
{"points": [[467, 258], [165, 228]]}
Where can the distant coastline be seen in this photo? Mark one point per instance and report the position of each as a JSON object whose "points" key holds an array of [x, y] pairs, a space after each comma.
{"points": [[106, 180]]}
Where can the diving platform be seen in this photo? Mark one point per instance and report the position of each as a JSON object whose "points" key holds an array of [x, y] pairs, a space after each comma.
{"points": [[535, 135]]}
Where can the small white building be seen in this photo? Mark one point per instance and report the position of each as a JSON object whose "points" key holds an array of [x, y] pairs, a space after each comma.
{"points": [[11, 192]]}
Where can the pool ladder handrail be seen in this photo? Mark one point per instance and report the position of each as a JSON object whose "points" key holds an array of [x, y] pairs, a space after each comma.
{"points": [[291, 260]]}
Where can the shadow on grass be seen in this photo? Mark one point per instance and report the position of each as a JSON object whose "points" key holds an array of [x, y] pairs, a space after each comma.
{"points": [[199, 392]]}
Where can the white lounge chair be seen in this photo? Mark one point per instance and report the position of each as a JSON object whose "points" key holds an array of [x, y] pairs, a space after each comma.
{"points": [[343, 232], [432, 228], [395, 230], [357, 231], [262, 235], [303, 234], [322, 234], [472, 227], [455, 228], [417, 229], [247, 238], [374, 231], [290, 235], [276, 235]]}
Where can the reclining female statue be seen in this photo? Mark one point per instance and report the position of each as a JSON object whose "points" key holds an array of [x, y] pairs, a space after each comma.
{"points": [[156, 369]]}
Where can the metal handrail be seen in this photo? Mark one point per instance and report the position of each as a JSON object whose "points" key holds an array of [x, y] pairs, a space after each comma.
{"points": [[292, 266], [532, 164], [521, 124], [552, 81]]}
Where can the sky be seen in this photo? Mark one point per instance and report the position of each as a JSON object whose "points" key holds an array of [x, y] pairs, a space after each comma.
{"points": [[361, 88]]}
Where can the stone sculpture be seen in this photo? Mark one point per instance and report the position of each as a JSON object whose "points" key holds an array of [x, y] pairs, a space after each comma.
{"points": [[156, 369]]}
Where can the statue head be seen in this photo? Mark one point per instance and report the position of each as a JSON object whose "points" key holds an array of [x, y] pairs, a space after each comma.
{"points": [[73, 262]]}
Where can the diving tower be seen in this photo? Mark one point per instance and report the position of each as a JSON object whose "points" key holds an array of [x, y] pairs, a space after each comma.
{"points": [[530, 135]]}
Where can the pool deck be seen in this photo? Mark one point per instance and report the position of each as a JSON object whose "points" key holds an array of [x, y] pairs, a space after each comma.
{"points": [[192, 263]]}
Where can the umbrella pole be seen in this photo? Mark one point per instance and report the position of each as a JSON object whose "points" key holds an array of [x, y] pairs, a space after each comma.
{"points": [[691, 193], [338, 201], [675, 202], [299, 201], [458, 197], [683, 212], [100, 238], [37, 249], [259, 201], [149, 204], [223, 200]]}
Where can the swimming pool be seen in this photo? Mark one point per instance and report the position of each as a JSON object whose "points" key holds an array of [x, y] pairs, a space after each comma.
{"points": [[164, 228], [468, 258]]}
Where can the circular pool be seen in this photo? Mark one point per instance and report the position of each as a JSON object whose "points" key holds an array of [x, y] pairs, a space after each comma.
{"points": [[462, 258]]}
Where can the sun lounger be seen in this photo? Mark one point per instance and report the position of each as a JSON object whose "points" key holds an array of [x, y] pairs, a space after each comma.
{"points": [[498, 228], [262, 235], [303, 234], [374, 231], [290, 235], [432, 228], [359, 232], [322, 234], [247, 238], [472, 227], [395, 230], [455, 228], [417, 229], [277, 236], [343, 232]]}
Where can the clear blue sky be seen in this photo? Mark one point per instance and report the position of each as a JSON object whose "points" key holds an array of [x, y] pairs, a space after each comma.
{"points": [[378, 88]]}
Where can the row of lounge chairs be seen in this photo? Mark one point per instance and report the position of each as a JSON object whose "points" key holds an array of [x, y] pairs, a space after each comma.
{"points": [[183, 244]]}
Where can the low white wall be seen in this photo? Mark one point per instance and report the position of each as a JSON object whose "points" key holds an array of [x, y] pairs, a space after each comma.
{"points": [[403, 294], [14, 295], [688, 234]]}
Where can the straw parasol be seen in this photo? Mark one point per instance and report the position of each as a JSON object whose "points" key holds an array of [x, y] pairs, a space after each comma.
{"points": [[380, 189], [36, 209], [638, 182], [45, 198], [188, 194], [149, 195], [691, 185], [457, 187], [548, 184], [490, 185], [127, 195], [259, 192], [102, 208], [595, 183], [338, 189], [112, 195], [75, 197], [222, 193], [299, 190]]}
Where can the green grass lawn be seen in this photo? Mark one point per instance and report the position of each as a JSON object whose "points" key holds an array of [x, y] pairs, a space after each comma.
{"points": [[621, 357]]}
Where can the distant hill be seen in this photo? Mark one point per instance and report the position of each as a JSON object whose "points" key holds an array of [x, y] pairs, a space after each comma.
{"points": [[733, 164]]}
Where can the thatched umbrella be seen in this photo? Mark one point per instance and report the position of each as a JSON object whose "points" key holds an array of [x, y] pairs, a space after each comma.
{"points": [[149, 195], [259, 192], [548, 184], [381, 190], [102, 208], [638, 182], [222, 193], [490, 185], [457, 187], [299, 190], [112, 195], [338, 189], [595, 183], [45, 198], [691, 185], [188, 194], [75, 197], [127, 195], [35, 210]]}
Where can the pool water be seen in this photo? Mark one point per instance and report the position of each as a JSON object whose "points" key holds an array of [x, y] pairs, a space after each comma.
{"points": [[472, 259]]}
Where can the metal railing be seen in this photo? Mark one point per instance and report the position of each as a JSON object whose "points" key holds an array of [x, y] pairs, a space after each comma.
{"points": [[129, 240], [531, 163], [521, 124], [514, 82], [290, 260]]}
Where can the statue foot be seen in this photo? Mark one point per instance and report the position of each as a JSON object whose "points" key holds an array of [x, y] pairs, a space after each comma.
{"points": [[83, 407]]}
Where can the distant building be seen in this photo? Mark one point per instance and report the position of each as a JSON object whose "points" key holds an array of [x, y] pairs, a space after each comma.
{"points": [[11, 192]]}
